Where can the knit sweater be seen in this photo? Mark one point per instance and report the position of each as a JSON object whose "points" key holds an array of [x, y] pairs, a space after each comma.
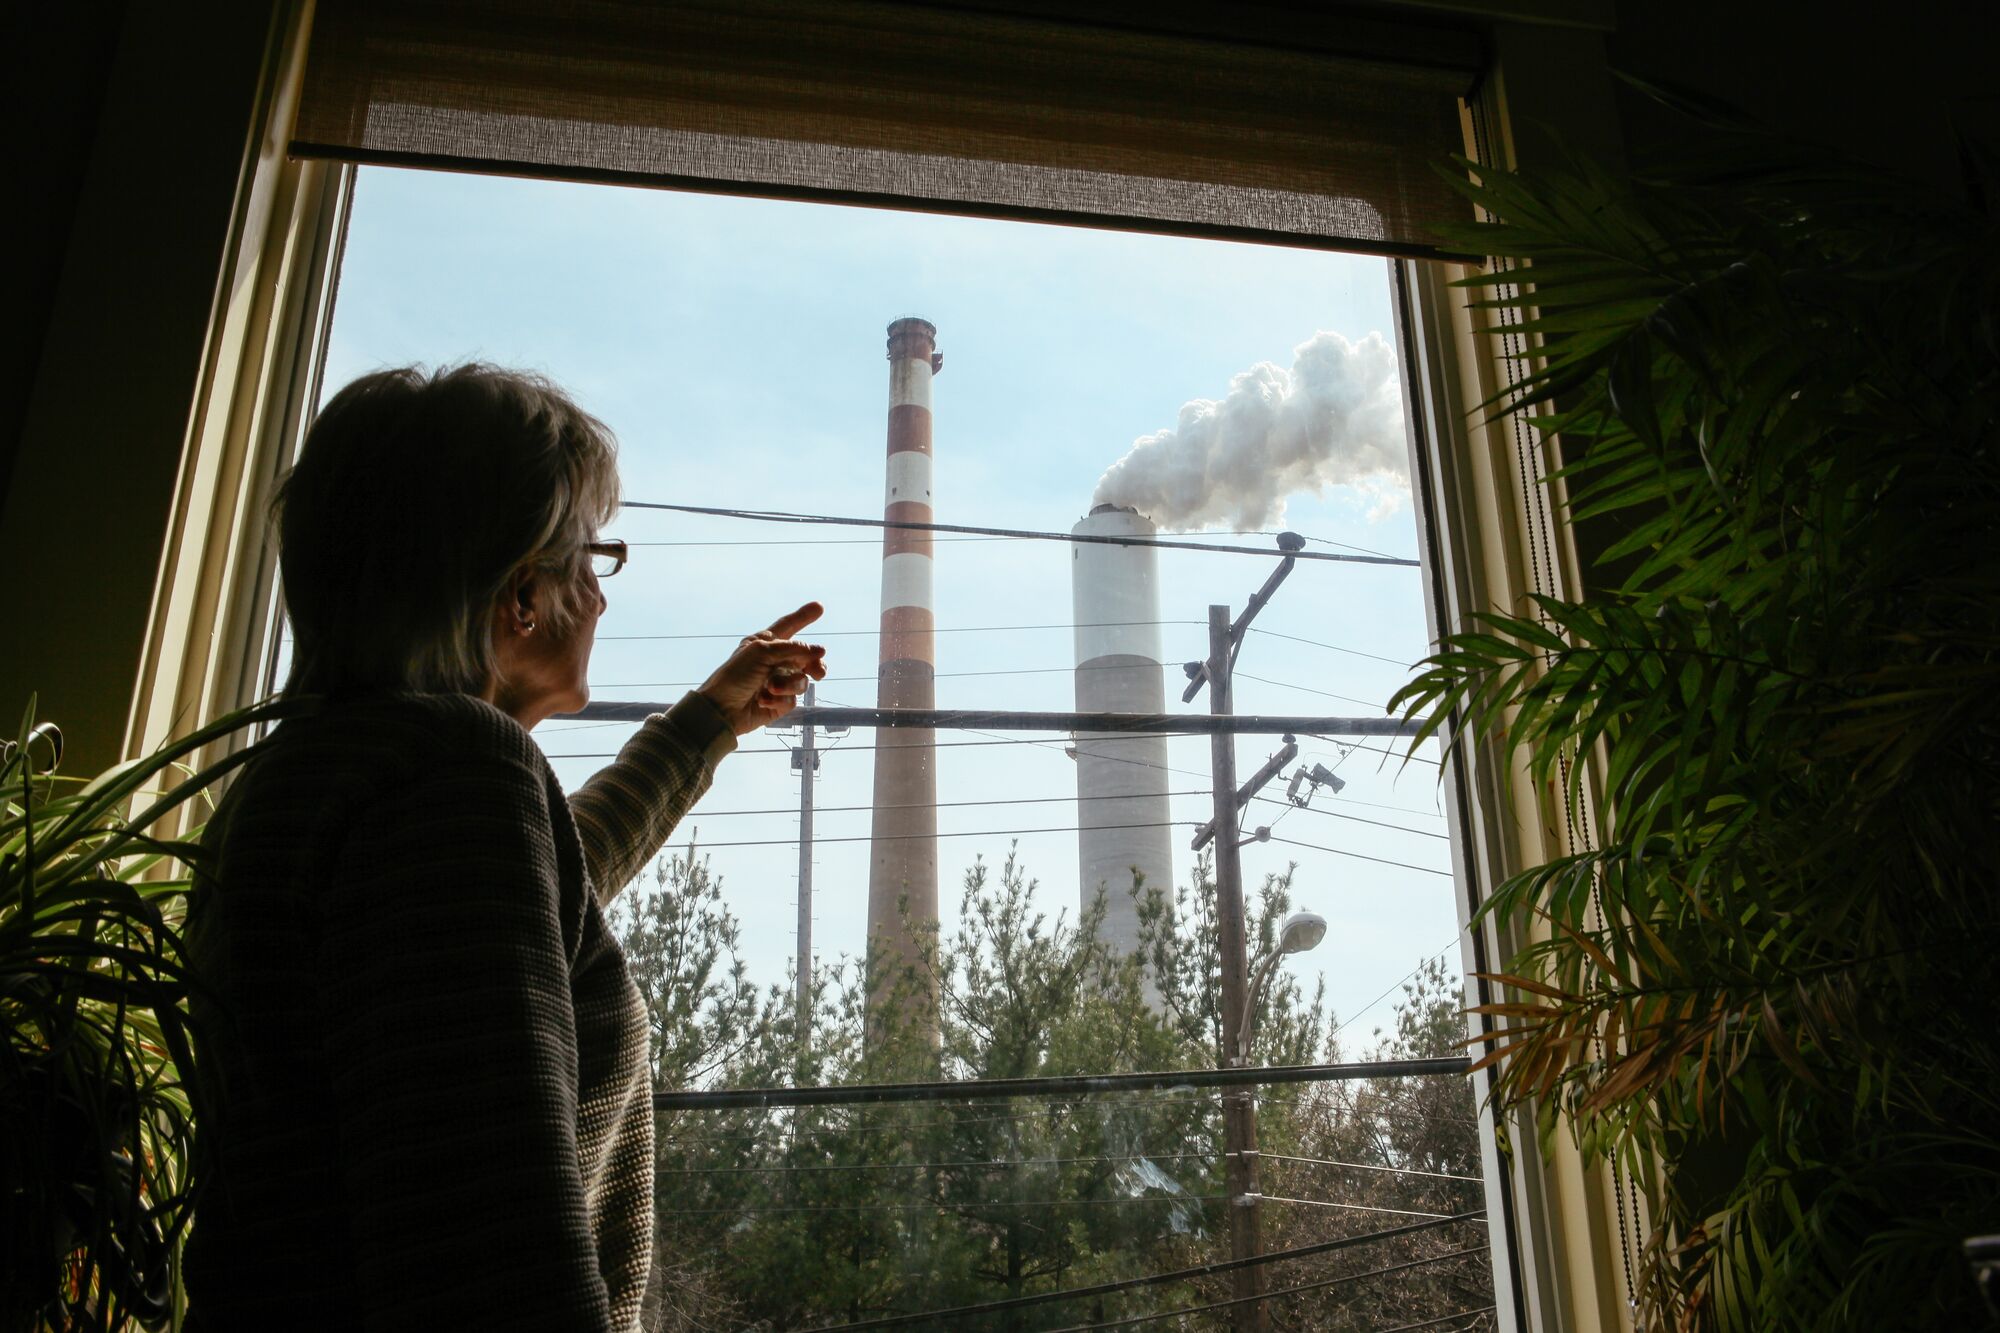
{"points": [[425, 1100]]}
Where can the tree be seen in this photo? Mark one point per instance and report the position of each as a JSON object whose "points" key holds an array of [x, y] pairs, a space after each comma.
{"points": [[789, 1218]]}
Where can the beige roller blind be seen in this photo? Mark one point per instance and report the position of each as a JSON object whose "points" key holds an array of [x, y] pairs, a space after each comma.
{"points": [[1252, 121]]}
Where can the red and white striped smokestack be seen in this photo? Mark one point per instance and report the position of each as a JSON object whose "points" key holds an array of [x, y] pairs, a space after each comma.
{"points": [[902, 872]]}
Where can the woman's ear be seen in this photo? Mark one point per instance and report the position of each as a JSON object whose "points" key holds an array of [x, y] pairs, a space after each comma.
{"points": [[520, 609]]}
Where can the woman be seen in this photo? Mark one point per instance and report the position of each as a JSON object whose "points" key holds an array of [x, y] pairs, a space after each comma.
{"points": [[424, 1076]]}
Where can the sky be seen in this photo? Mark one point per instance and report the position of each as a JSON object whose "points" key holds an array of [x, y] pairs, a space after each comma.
{"points": [[736, 348]]}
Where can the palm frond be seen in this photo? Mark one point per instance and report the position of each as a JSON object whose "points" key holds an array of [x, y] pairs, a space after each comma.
{"points": [[1775, 971]]}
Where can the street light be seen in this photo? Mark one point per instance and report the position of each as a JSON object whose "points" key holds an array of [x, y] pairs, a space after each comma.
{"points": [[1302, 933]]}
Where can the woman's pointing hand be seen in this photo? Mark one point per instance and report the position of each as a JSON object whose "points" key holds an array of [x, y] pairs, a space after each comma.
{"points": [[763, 678]]}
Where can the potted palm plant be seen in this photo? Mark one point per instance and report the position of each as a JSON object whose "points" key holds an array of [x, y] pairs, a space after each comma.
{"points": [[1771, 989], [96, 1100]]}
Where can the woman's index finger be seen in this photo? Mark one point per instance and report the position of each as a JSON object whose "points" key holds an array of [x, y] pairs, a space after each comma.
{"points": [[784, 627]]}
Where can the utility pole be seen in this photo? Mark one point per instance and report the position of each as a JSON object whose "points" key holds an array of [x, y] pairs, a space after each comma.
{"points": [[805, 758], [1239, 1115]]}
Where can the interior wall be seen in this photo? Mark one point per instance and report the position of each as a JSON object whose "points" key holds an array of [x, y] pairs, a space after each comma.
{"points": [[58, 63], [131, 231], [1885, 82]]}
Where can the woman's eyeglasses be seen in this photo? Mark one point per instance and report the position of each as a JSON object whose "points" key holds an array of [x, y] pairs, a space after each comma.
{"points": [[606, 558]]}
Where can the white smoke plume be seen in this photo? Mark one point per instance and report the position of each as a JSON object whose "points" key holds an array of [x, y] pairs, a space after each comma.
{"points": [[1334, 419]]}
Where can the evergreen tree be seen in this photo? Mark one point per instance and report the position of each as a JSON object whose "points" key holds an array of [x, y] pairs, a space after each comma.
{"points": [[794, 1217]]}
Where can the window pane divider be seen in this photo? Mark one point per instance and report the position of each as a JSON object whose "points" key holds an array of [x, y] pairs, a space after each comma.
{"points": [[975, 1089]]}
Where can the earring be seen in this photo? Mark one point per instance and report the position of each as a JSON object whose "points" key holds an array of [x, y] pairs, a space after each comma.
{"points": [[528, 627]]}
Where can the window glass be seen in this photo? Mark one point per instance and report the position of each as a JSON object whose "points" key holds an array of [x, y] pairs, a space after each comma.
{"points": [[1234, 392]]}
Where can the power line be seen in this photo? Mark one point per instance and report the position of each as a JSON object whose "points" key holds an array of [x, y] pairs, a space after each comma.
{"points": [[1191, 773], [1149, 1280], [810, 541], [1181, 1095], [1334, 647], [1361, 856], [1091, 724], [1335, 814], [1398, 809], [784, 516], [1376, 749], [1350, 1207], [1364, 1166], [1048, 1085], [1064, 747], [1060, 746], [967, 833], [942, 629], [934, 1204], [1427, 961], [1006, 671], [1304, 689], [1026, 800], [1192, 1099], [1441, 1319], [1129, 1320], [942, 675], [1201, 1101], [871, 541], [1061, 1161], [731, 637], [1399, 1113], [931, 1166], [850, 749], [993, 738], [939, 805], [1323, 541]]}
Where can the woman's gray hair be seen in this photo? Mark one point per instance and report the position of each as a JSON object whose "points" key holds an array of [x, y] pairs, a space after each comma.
{"points": [[416, 497]]}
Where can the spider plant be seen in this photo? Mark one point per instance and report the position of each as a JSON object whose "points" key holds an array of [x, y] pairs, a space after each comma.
{"points": [[1768, 381], [96, 1100]]}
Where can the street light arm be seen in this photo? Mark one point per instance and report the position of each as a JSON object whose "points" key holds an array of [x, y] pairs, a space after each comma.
{"points": [[1288, 542], [1257, 980]]}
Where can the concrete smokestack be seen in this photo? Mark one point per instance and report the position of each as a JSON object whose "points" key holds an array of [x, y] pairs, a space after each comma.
{"points": [[1121, 780], [902, 872]]}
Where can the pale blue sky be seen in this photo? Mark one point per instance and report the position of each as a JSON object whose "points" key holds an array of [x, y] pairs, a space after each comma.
{"points": [[736, 347]]}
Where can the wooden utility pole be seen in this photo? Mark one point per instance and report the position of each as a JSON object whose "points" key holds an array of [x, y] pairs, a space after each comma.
{"points": [[807, 760], [1239, 1113]]}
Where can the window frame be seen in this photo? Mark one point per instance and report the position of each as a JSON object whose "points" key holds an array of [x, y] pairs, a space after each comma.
{"points": [[214, 611], [210, 644]]}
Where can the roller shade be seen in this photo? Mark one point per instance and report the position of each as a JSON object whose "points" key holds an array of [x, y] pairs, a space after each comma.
{"points": [[1290, 124]]}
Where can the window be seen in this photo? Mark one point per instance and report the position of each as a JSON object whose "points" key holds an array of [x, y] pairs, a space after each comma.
{"points": [[1419, 323], [1235, 392]]}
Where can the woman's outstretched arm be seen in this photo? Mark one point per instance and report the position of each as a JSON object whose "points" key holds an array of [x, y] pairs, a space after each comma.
{"points": [[628, 809]]}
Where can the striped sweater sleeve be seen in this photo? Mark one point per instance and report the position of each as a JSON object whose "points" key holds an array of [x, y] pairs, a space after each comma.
{"points": [[626, 812]]}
